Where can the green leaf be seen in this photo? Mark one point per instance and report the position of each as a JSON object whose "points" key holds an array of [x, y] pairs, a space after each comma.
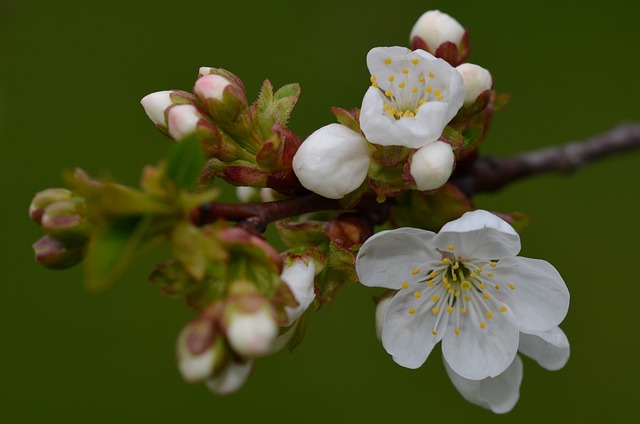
{"points": [[112, 249], [185, 161]]}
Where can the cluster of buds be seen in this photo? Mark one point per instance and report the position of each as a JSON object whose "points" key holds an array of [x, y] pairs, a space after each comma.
{"points": [[61, 214], [246, 145], [425, 110], [250, 302]]}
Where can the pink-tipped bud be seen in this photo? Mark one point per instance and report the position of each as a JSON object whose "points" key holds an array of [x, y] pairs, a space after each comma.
{"points": [[45, 198], [183, 121], [211, 87], [200, 350], [440, 35], [477, 80], [155, 105], [65, 221], [54, 254]]}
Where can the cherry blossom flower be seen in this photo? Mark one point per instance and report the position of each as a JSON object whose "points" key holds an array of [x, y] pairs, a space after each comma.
{"points": [[466, 287], [412, 97]]}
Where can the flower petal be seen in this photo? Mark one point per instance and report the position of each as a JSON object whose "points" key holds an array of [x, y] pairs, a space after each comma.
{"points": [[408, 337], [477, 352], [534, 290], [550, 349], [387, 258], [381, 310], [299, 277], [230, 378], [479, 235], [500, 394]]}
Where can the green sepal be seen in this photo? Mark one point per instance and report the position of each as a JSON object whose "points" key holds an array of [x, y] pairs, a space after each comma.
{"points": [[111, 249], [301, 234], [339, 270], [348, 118], [184, 162], [194, 249], [276, 107]]}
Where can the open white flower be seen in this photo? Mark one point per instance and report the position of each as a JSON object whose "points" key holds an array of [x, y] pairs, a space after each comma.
{"points": [[333, 161], [412, 97], [464, 286]]}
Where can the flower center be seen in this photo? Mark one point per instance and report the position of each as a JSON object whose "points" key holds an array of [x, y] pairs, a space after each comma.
{"points": [[408, 84], [463, 287]]}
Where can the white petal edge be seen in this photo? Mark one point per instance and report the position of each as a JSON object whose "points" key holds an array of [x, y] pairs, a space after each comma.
{"points": [[550, 349], [299, 277], [381, 310], [155, 104], [387, 258], [499, 394]]}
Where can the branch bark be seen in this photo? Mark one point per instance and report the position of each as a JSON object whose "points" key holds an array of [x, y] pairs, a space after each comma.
{"points": [[487, 174]]}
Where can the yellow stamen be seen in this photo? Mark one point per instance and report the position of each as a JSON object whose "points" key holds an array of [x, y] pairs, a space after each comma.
{"points": [[490, 274], [497, 287], [434, 332], [415, 61], [467, 298], [391, 78], [489, 314], [421, 79], [457, 294], [388, 61], [428, 89], [483, 325], [434, 298], [388, 93], [493, 264], [473, 275], [503, 309], [373, 78], [463, 310], [446, 261], [449, 309], [430, 283], [402, 85], [414, 90], [432, 75], [457, 330], [412, 311], [405, 285], [417, 295], [374, 84], [435, 311], [433, 274], [405, 71], [437, 92], [486, 295], [511, 286], [451, 247], [414, 271]]}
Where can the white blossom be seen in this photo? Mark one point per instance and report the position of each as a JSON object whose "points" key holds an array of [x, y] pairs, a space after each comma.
{"points": [[476, 81], [436, 28], [412, 97], [464, 286], [431, 165], [333, 161]]}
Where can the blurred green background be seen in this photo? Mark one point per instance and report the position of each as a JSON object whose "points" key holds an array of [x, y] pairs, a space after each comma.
{"points": [[71, 77]]}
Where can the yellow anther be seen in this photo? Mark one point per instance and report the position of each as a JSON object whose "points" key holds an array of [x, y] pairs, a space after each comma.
{"points": [[455, 277], [406, 113], [434, 332], [430, 283], [450, 291], [447, 285], [456, 294], [451, 247], [405, 71], [463, 310], [391, 78], [467, 298], [405, 285], [490, 274], [388, 93], [415, 61], [465, 285], [428, 89], [414, 90], [434, 298], [412, 311], [402, 85], [421, 102], [440, 98], [479, 270], [446, 261], [373, 78], [456, 265], [445, 280], [435, 310], [433, 274], [473, 275], [449, 309], [457, 330], [437, 92], [421, 79], [399, 114], [486, 295], [497, 287], [481, 286], [432, 75], [374, 85], [417, 295], [511, 286], [388, 61], [493, 264], [489, 314], [412, 115], [483, 325], [414, 271], [503, 309]]}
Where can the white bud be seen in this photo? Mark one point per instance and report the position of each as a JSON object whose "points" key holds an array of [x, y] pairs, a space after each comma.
{"points": [[269, 195], [183, 120], [251, 334], [476, 81], [333, 161], [155, 104], [436, 28], [431, 165], [299, 277], [211, 87], [247, 194], [381, 309], [204, 70], [230, 378], [197, 367]]}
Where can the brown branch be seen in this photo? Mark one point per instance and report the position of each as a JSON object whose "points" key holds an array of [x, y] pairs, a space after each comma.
{"points": [[491, 174], [487, 174]]}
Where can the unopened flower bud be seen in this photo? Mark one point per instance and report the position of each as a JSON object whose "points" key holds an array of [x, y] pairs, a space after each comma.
{"points": [[440, 35], [333, 161], [230, 378], [250, 326], [299, 277], [155, 104], [211, 87], [64, 220], [44, 198], [222, 97], [477, 80], [54, 254], [200, 350], [183, 121], [431, 165]]}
